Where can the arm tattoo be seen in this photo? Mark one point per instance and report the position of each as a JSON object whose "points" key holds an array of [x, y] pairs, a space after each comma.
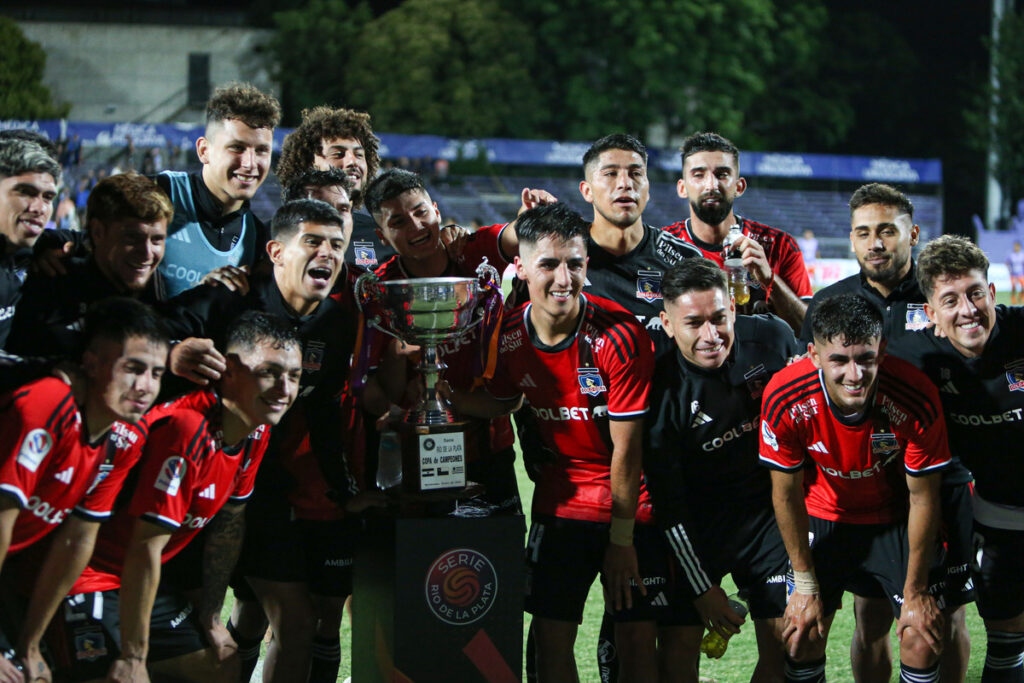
{"points": [[223, 542]]}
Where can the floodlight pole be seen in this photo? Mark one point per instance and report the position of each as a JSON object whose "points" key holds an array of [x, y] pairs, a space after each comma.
{"points": [[993, 189]]}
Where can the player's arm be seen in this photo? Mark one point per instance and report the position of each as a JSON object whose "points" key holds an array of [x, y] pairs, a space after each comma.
{"points": [[529, 198], [919, 610], [787, 304], [223, 543], [139, 580], [9, 510], [620, 561], [69, 552], [480, 403]]}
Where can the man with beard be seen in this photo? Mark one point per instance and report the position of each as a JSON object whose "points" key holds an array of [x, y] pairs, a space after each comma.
{"points": [[882, 235], [711, 181]]}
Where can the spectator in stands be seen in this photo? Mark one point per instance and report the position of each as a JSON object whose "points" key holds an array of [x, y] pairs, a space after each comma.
{"points": [[1015, 264], [809, 249], [711, 182]]}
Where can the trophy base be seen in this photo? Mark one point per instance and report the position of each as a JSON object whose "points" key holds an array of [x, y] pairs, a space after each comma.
{"points": [[433, 457]]}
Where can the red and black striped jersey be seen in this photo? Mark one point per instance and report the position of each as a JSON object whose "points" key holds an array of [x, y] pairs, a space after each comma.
{"points": [[602, 372], [186, 475], [853, 471], [47, 463]]}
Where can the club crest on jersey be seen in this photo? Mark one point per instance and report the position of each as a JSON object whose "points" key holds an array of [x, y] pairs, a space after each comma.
{"points": [[884, 444], [34, 448], [169, 479], [590, 381], [90, 645], [1015, 375], [917, 319], [648, 285], [314, 356], [365, 253]]}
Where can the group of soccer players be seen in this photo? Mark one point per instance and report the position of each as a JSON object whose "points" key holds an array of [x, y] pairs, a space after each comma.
{"points": [[804, 444]]}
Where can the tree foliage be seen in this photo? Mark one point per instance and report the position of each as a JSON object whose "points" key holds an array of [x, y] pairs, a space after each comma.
{"points": [[1008, 128], [22, 65]]}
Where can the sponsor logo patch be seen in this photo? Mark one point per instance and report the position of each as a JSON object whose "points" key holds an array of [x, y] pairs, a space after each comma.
{"points": [[461, 586], [169, 480], [590, 381], [768, 436], [34, 448]]}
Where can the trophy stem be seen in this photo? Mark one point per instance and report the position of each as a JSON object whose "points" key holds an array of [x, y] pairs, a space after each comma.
{"points": [[431, 410]]}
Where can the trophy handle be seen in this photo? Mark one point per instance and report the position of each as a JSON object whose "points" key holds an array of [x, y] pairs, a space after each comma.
{"points": [[365, 297], [488, 274]]}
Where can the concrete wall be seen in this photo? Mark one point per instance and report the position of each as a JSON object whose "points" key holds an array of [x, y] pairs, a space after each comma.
{"points": [[126, 72]]}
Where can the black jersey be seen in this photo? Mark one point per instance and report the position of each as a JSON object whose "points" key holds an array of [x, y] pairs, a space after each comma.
{"points": [[633, 280], [701, 436], [983, 399], [13, 269]]}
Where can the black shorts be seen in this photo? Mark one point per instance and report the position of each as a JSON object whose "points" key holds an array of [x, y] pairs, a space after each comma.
{"points": [[564, 556], [846, 554], [956, 534], [86, 634], [998, 572], [314, 552], [743, 542]]}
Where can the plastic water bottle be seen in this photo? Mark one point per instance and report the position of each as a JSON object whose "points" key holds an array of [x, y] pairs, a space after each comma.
{"points": [[735, 232], [389, 461], [713, 644]]}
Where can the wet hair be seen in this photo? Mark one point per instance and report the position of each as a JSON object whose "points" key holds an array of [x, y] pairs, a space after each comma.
{"points": [[622, 141], [945, 256], [708, 142], [128, 195], [256, 327], [850, 317], [391, 183], [311, 177], [31, 136], [550, 220], [325, 123], [880, 193], [692, 275], [287, 218], [243, 102], [119, 318], [19, 156]]}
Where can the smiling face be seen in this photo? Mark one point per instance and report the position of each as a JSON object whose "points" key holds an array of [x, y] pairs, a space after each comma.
{"points": [[123, 379], [307, 263], [617, 186], [849, 371], [128, 251], [882, 237], [411, 225], [554, 271], [261, 382], [346, 154], [26, 202], [235, 160], [711, 182], [701, 323], [963, 307]]}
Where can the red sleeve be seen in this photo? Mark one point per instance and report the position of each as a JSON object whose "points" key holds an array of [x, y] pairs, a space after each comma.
{"points": [[928, 447], [128, 442], [33, 425], [501, 386], [165, 484], [245, 481], [627, 358], [781, 447], [485, 242], [793, 270]]}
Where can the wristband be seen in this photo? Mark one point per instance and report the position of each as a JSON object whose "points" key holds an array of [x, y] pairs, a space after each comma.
{"points": [[768, 289], [805, 583], [620, 532]]}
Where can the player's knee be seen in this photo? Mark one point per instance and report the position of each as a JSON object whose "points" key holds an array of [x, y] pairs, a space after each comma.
{"points": [[915, 650]]}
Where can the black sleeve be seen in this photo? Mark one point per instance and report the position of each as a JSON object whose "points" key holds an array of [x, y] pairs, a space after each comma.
{"points": [[57, 238], [33, 328], [326, 438], [204, 311], [16, 371], [806, 335]]}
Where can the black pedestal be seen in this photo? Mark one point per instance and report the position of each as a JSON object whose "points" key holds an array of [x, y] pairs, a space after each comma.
{"points": [[439, 599]]}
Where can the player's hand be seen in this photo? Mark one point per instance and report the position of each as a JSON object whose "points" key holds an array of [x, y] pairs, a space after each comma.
{"points": [[366, 500], [220, 640], [803, 622], [716, 614], [619, 570], [234, 278], [454, 239], [920, 613], [50, 262], [35, 667], [130, 670], [754, 259], [533, 198], [9, 672], [198, 360]]}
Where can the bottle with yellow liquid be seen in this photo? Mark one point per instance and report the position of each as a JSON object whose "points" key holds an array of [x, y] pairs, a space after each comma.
{"points": [[714, 645], [733, 266]]}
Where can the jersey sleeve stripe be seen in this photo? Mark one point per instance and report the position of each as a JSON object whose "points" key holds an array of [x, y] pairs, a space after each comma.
{"points": [[16, 493], [927, 470], [241, 499], [160, 520], [684, 552], [768, 462], [91, 515], [786, 395], [627, 416]]}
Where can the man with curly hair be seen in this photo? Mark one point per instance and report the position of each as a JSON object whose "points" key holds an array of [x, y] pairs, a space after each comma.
{"points": [[213, 224], [342, 139]]}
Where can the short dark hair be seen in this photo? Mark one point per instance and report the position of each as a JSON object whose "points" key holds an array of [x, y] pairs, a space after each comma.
{"points": [[119, 318], [255, 327], [692, 275], [311, 177], [849, 316], [390, 184], [19, 156], [550, 220], [880, 193], [708, 142], [287, 218], [243, 102], [31, 136], [948, 255], [624, 141], [128, 195]]}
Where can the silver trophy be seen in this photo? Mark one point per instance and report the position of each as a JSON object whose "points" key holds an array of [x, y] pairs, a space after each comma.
{"points": [[428, 312]]}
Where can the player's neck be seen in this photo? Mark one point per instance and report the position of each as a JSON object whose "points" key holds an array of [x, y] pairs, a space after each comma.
{"points": [[434, 265], [97, 418], [298, 303], [889, 286], [552, 330], [234, 425], [613, 239], [708, 233], [227, 204]]}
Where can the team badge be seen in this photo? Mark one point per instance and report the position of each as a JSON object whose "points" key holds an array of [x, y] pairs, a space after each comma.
{"points": [[590, 381], [365, 254], [90, 645], [171, 474], [461, 586], [768, 436], [313, 358], [756, 379], [884, 444], [34, 448], [1014, 375], [917, 319], [648, 285]]}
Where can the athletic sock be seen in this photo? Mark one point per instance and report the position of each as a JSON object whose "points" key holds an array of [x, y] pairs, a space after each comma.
{"points": [[326, 659], [607, 655], [531, 656], [929, 674], [1004, 658], [248, 652], [805, 672]]}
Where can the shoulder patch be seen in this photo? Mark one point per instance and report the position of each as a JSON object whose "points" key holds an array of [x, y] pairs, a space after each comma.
{"points": [[169, 479], [768, 436], [36, 445]]}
